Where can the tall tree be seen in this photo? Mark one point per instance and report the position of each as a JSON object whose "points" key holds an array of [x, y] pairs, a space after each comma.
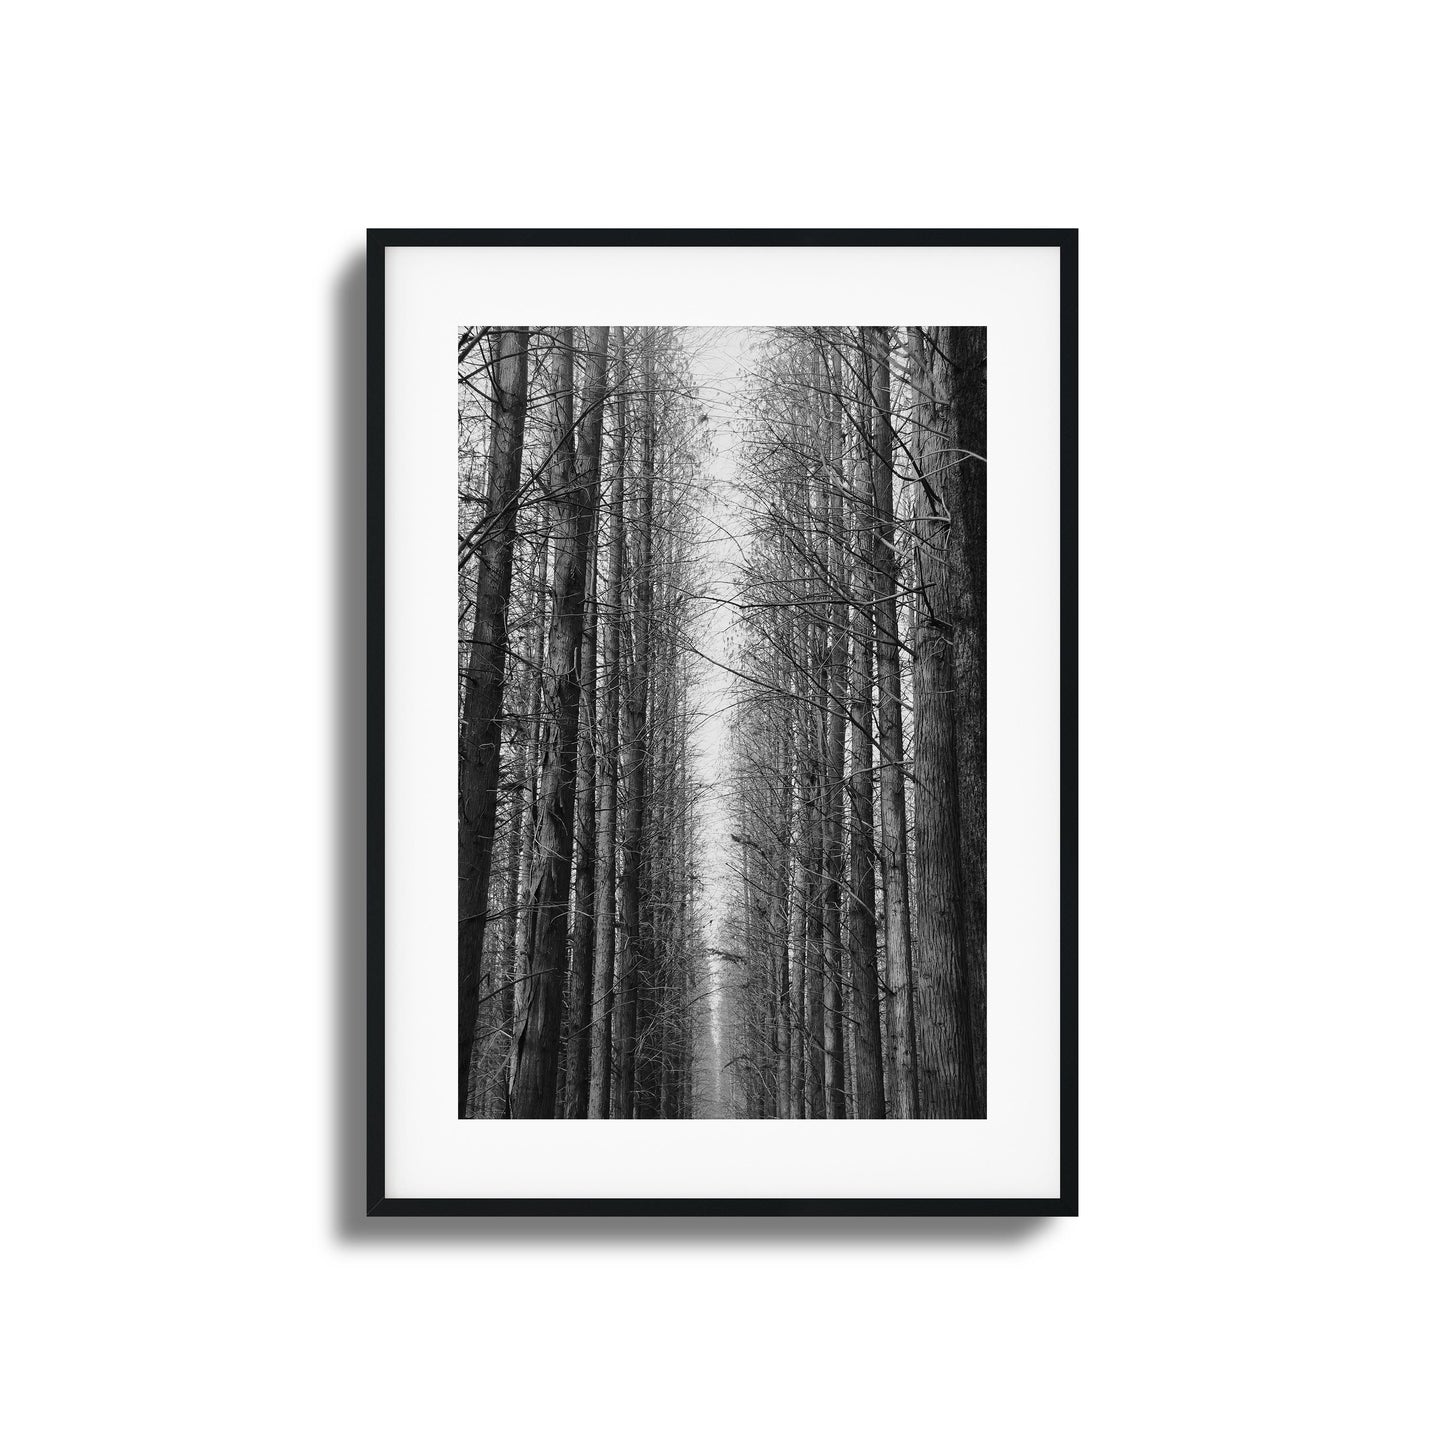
{"points": [[529, 752], [903, 1050], [781, 741], [835, 696], [579, 987], [537, 1033], [945, 1031], [630, 943], [599, 1094], [968, 553], [481, 726], [862, 884]]}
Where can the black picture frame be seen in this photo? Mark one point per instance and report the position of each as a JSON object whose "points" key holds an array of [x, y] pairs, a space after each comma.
{"points": [[377, 1202]]}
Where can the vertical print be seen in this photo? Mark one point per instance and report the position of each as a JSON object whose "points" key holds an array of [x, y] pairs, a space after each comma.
{"points": [[722, 703]]}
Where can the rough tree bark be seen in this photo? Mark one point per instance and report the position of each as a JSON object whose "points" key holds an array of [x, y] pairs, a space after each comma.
{"points": [[529, 750], [481, 729], [902, 1037], [599, 1093], [783, 1040], [968, 551], [537, 1034], [629, 952], [810, 689], [862, 886], [579, 983], [944, 1031], [781, 830], [835, 694]]}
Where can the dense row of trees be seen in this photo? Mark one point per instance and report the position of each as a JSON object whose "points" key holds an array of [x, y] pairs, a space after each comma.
{"points": [[578, 941], [856, 962], [831, 604]]}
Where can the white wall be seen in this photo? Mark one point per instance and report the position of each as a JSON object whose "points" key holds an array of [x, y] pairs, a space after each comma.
{"points": [[187, 190]]}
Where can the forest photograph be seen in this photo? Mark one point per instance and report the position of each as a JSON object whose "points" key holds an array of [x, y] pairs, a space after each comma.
{"points": [[722, 722]]}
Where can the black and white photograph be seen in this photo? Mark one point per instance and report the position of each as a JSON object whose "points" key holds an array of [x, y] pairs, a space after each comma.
{"points": [[723, 724], [722, 815]]}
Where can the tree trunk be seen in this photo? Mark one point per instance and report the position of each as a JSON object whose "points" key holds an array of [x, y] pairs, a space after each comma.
{"points": [[481, 730], [496, 1012], [783, 1039], [630, 952], [968, 354], [579, 994], [812, 866], [812, 728], [835, 694], [537, 1034], [862, 887], [944, 1031], [599, 1094], [902, 1038], [797, 964]]}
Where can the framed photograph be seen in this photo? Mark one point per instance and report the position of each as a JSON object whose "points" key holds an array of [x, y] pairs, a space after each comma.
{"points": [[722, 676]]}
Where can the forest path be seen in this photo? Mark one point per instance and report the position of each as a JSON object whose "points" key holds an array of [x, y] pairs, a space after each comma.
{"points": [[719, 366]]}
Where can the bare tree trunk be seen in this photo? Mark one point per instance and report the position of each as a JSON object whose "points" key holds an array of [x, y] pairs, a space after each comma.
{"points": [[537, 1034], [812, 866], [652, 871], [481, 731], [862, 888], [968, 354], [599, 1094], [630, 951], [903, 1047], [835, 694], [579, 994], [783, 1040], [812, 729], [797, 923], [529, 748], [675, 1020], [496, 1012], [945, 1034]]}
